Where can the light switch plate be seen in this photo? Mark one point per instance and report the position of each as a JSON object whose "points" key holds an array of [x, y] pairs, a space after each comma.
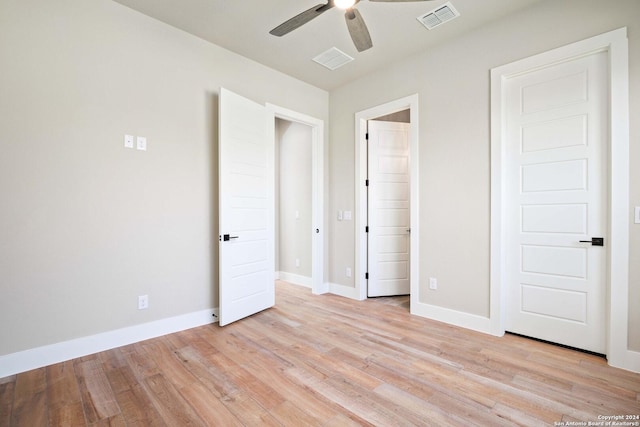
{"points": [[339, 215], [141, 143], [347, 215], [637, 216], [128, 141]]}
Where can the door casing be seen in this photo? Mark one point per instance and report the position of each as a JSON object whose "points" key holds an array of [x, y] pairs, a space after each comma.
{"points": [[360, 217], [615, 43]]}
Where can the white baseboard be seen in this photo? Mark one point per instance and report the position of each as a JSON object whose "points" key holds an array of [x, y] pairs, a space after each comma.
{"points": [[296, 279], [39, 357], [344, 291], [453, 317], [628, 360]]}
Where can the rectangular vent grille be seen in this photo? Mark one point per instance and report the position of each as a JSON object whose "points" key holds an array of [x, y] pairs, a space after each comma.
{"points": [[439, 16], [333, 58]]}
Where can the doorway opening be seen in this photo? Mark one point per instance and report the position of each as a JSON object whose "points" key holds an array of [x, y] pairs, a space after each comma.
{"points": [[396, 221], [293, 202], [299, 176]]}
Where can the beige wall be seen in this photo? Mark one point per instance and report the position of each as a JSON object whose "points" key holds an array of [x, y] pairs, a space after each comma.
{"points": [[294, 234], [452, 81], [86, 225]]}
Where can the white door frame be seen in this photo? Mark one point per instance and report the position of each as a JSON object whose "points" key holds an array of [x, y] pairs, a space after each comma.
{"points": [[319, 286], [615, 43], [410, 102]]}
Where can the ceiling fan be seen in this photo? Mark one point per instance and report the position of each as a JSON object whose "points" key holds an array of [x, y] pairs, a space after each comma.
{"points": [[355, 23]]}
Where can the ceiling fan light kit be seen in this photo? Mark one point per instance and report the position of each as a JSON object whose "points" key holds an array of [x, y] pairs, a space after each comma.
{"points": [[355, 23], [344, 4]]}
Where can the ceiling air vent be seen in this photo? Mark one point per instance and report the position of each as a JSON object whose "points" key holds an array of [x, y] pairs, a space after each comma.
{"points": [[333, 58], [444, 13]]}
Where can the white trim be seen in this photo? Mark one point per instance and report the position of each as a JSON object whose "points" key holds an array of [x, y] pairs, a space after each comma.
{"points": [[317, 193], [410, 102], [345, 291], [453, 317], [39, 357], [295, 279], [616, 44]]}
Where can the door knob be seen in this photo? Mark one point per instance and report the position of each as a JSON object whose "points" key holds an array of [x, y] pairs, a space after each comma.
{"points": [[595, 241]]}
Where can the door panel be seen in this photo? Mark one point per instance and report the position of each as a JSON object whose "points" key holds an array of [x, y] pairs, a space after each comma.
{"points": [[556, 187], [246, 194], [389, 209]]}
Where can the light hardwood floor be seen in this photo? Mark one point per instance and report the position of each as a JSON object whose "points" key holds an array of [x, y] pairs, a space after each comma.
{"points": [[323, 360]]}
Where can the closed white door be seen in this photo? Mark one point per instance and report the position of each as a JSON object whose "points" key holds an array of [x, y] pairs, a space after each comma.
{"points": [[557, 196], [389, 209], [246, 195]]}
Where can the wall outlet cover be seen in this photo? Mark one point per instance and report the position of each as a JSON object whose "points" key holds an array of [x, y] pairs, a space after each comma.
{"points": [[141, 143]]}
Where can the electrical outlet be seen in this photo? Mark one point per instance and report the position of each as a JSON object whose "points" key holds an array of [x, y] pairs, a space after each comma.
{"points": [[141, 143], [433, 283], [143, 302]]}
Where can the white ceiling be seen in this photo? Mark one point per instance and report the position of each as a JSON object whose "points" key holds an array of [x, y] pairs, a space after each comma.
{"points": [[243, 26]]}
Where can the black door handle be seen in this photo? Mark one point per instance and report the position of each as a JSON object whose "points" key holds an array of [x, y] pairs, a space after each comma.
{"points": [[595, 241], [226, 237]]}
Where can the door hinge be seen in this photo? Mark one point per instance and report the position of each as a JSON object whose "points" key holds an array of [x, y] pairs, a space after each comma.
{"points": [[366, 276], [366, 182], [366, 136], [366, 229]]}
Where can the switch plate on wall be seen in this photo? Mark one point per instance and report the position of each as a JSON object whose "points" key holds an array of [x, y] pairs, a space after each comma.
{"points": [[347, 215], [433, 283], [128, 141], [637, 215]]}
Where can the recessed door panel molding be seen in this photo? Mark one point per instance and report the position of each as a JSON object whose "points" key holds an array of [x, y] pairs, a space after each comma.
{"points": [[554, 134], [555, 218], [555, 176], [554, 92], [556, 303], [393, 191], [556, 261]]}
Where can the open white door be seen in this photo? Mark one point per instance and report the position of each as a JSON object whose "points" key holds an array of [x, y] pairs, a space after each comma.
{"points": [[389, 209], [246, 195]]}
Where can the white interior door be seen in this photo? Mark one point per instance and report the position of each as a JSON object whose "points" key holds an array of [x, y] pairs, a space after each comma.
{"points": [[389, 209], [556, 186], [246, 194]]}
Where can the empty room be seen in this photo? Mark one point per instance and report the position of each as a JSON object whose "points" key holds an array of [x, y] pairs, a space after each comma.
{"points": [[332, 213]]}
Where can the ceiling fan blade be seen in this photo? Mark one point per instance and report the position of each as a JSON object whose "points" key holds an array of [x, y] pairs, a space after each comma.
{"points": [[358, 30], [301, 19]]}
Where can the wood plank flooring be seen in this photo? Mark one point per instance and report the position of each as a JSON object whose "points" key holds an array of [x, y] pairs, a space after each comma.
{"points": [[324, 361]]}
